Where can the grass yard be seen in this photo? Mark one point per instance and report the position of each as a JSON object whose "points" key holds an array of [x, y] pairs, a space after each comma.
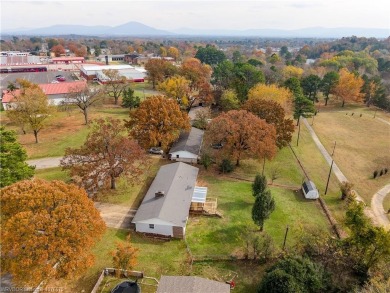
{"points": [[131, 195], [362, 146], [216, 236], [52, 174], [66, 129]]}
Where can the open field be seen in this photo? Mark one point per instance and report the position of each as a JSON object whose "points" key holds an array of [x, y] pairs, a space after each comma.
{"points": [[66, 129], [362, 146]]}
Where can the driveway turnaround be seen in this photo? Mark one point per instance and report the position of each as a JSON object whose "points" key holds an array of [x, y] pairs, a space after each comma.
{"points": [[116, 216], [377, 206]]}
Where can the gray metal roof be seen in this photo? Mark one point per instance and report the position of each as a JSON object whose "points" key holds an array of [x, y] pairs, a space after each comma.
{"points": [[308, 186], [187, 284], [189, 141], [177, 181]]}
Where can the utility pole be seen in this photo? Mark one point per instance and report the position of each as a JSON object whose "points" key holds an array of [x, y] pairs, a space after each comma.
{"points": [[334, 148], [375, 113], [299, 130], [327, 183], [285, 237], [312, 121]]}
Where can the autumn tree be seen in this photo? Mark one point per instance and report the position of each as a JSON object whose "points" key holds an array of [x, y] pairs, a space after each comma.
{"points": [[274, 114], [272, 92], [243, 135], [199, 76], [263, 207], [58, 50], [229, 100], [173, 52], [310, 86], [48, 229], [158, 70], [106, 154], [12, 159], [328, 83], [115, 83], [202, 118], [124, 258], [157, 122], [31, 107], [84, 97], [349, 86], [292, 71], [176, 88]]}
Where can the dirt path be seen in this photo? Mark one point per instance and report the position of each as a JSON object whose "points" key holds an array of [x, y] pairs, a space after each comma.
{"points": [[45, 163], [115, 216], [375, 211]]}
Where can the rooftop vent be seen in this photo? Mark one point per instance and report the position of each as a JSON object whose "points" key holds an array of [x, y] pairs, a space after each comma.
{"points": [[159, 193]]}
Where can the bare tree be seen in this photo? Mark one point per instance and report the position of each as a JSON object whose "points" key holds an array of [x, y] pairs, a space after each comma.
{"points": [[84, 97], [115, 83]]}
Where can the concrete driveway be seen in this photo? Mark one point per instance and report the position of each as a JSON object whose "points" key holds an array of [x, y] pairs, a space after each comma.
{"points": [[116, 216], [45, 163]]}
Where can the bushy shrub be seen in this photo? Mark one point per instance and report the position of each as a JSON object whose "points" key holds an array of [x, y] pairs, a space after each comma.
{"points": [[226, 166], [375, 174]]}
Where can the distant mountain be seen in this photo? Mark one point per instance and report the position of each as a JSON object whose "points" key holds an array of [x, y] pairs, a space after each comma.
{"points": [[312, 32], [128, 29], [138, 29]]}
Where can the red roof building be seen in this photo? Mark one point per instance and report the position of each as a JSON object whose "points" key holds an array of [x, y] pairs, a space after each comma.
{"points": [[55, 92]]}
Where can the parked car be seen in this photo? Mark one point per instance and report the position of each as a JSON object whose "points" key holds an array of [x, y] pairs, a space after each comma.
{"points": [[217, 145], [156, 151], [61, 78]]}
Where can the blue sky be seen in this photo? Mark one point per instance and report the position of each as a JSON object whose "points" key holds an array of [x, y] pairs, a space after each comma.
{"points": [[201, 14]]}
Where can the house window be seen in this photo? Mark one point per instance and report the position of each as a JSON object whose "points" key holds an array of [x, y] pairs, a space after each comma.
{"points": [[177, 156], [151, 226]]}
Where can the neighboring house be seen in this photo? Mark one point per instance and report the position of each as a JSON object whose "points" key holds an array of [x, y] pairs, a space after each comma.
{"points": [[309, 190], [166, 205], [189, 284], [187, 147], [56, 92]]}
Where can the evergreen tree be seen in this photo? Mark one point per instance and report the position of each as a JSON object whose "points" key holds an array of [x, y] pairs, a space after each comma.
{"points": [[259, 185], [12, 160], [263, 207], [129, 100]]}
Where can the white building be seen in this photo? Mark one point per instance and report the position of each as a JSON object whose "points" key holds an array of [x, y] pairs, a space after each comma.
{"points": [[187, 147]]}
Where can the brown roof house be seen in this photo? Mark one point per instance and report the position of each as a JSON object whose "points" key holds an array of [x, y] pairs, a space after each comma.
{"points": [[165, 207], [189, 284]]}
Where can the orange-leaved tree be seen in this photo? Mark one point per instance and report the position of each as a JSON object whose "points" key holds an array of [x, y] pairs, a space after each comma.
{"points": [[158, 121], [348, 87], [158, 70], [241, 135], [107, 153], [124, 258], [47, 230], [273, 113], [272, 92]]}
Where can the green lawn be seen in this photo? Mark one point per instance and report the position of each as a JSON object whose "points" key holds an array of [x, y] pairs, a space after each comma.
{"points": [[52, 174], [216, 236]]}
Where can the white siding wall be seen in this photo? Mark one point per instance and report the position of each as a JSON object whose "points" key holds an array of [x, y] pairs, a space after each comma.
{"points": [[184, 156], [158, 229]]}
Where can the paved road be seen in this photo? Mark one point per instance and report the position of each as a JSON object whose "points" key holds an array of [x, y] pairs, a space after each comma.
{"points": [[45, 163], [374, 211], [116, 216], [377, 205]]}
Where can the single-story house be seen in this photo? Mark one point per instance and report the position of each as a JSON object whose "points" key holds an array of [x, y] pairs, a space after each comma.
{"points": [[187, 147], [310, 190], [190, 284], [166, 205], [56, 92]]}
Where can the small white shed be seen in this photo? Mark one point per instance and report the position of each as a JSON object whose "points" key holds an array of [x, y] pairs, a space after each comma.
{"points": [[310, 190]]}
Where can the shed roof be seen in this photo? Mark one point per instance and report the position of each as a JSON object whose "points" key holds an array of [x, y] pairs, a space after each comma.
{"points": [[308, 186], [189, 141], [177, 181], [188, 284]]}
